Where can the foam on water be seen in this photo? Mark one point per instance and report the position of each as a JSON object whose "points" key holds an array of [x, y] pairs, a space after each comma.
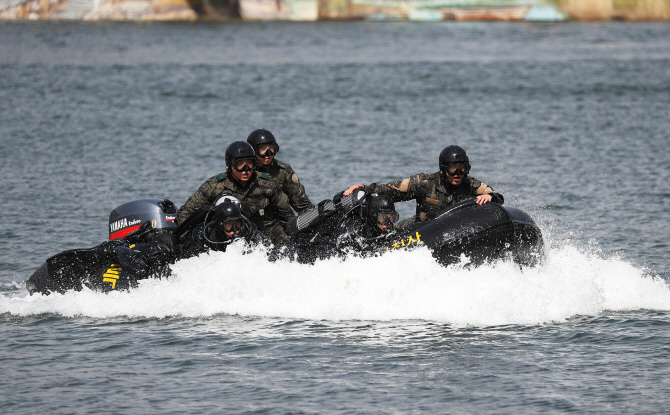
{"points": [[398, 285]]}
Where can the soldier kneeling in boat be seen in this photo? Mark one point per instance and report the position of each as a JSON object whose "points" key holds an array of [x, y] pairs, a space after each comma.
{"points": [[266, 147], [437, 191], [262, 200]]}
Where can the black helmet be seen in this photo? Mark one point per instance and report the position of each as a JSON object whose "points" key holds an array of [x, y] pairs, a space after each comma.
{"points": [[454, 154], [381, 211], [259, 137], [226, 211], [227, 217], [239, 150]]}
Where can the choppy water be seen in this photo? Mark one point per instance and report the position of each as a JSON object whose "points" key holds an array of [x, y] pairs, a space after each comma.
{"points": [[569, 121]]}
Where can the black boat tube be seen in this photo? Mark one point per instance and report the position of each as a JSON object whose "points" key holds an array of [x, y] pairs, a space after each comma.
{"points": [[479, 232]]}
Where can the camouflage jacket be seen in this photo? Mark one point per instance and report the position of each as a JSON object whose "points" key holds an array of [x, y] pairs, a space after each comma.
{"points": [[283, 174], [262, 201], [432, 193]]}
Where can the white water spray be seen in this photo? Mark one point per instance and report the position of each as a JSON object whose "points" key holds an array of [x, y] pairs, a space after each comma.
{"points": [[398, 285]]}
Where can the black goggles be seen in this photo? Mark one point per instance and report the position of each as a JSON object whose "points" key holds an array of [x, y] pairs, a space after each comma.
{"points": [[244, 165], [267, 150], [233, 225], [457, 169], [387, 218]]}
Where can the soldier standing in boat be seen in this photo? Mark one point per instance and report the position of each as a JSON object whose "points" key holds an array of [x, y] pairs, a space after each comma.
{"points": [[266, 147], [437, 191], [262, 200]]}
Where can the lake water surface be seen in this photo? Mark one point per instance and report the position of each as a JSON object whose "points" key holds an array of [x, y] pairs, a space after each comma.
{"points": [[569, 121]]}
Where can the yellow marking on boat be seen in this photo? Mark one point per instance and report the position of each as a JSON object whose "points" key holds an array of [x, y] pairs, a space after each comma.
{"points": [[113, 281], [112, 275], [410, 241]]}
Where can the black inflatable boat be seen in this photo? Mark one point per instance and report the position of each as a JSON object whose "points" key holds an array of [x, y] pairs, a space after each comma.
{"points": [[479, 233]]}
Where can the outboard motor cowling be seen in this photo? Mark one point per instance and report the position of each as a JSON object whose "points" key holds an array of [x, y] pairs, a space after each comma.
{"points": [[129, 216]]}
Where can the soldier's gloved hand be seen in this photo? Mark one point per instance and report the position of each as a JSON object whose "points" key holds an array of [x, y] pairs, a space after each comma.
{"points": [[108, 247], [131, 261]]}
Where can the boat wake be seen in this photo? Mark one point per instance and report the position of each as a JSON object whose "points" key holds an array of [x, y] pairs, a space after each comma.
{"points": [[400, 285]]}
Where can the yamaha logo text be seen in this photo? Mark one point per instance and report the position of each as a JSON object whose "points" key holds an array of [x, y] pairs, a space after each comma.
{"points": [[122, 223]]}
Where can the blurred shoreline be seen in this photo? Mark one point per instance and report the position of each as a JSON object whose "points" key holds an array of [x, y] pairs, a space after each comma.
{"points": [[628, 10], [313, 10]]}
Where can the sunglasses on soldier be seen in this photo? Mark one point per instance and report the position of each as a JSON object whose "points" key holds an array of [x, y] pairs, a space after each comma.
{"points": [[244, 165], [457, 169], [267, 150]]}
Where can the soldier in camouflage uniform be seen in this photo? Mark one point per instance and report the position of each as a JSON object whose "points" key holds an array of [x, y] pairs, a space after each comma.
{"points": [[265, 145], [263, 202], [436, 192]]}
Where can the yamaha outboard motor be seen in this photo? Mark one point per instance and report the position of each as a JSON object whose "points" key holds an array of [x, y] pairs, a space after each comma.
{"points": [[128, 217], [76, 268]]}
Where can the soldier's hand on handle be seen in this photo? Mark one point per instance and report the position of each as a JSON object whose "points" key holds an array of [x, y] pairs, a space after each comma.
{"points": [[352, 188], [483, 199]]}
